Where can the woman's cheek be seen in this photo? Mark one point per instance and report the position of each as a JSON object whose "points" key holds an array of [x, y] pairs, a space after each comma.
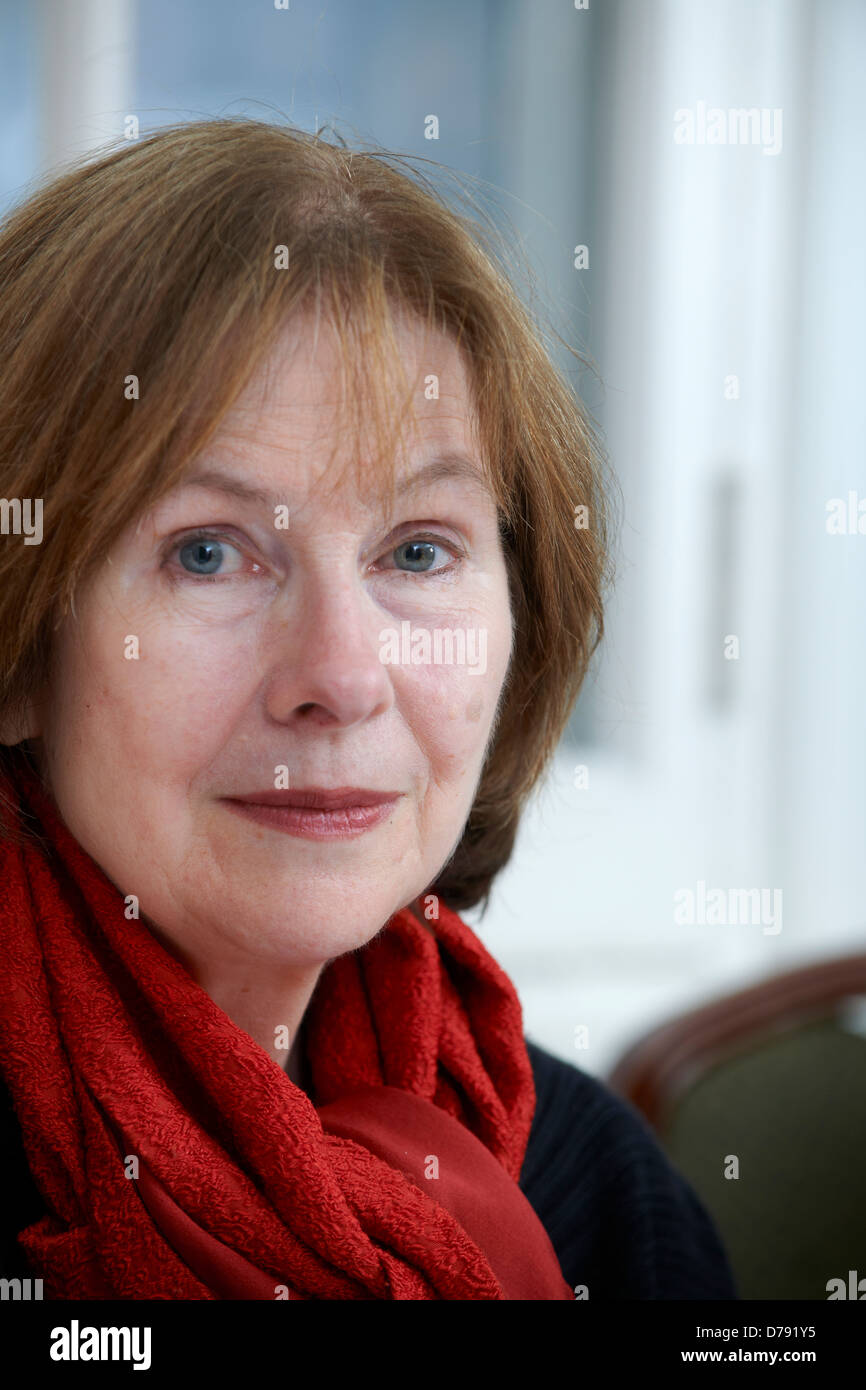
{"points": [[153, 696], [447, 711]]}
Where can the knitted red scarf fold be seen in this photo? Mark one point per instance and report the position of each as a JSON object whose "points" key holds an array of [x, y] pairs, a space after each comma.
{"points": [[177, 1160]]}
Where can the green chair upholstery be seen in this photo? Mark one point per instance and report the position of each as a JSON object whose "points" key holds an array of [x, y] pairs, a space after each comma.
{"points": [[769, 1084]]}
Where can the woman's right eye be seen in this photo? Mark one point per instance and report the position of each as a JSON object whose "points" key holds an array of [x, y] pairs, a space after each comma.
{"points": [[206, 555]]}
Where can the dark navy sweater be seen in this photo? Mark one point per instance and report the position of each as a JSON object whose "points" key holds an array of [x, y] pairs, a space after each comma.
{"points": [[623, 1222]]}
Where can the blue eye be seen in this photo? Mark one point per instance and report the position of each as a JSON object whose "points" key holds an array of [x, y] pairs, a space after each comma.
{"points": [[204, 555], [419, 555]]}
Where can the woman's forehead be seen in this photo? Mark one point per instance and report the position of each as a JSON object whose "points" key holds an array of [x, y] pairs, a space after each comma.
{"points": [[298, 415], [311, 365]]}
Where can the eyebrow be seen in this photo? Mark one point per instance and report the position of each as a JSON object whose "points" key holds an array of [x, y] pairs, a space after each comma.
{"points": [[445, 467]]}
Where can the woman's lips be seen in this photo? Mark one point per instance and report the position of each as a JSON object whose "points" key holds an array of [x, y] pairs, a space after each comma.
{"points": [[317, 821]]}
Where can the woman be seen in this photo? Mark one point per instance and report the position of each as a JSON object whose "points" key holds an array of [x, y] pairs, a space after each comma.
{"points": [[305, 621]]}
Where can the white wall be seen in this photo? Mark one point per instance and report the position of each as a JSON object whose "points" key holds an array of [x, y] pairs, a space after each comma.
{"points": [[715, 260]]}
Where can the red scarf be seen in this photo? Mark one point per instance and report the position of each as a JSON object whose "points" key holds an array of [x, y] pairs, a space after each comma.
{"points": [[246, 1187]]}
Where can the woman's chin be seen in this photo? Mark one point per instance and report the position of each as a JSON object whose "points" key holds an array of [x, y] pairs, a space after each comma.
{"points": [[314, 929]]}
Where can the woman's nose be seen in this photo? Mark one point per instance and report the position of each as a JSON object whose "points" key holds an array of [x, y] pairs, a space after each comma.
{"points": [[323, 655]]}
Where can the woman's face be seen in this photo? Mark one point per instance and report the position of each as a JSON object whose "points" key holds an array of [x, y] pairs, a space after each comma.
{"points": [[260, 647]]}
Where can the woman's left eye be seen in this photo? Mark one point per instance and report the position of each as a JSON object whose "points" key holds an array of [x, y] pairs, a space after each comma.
{"points": [[418, 554]]}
